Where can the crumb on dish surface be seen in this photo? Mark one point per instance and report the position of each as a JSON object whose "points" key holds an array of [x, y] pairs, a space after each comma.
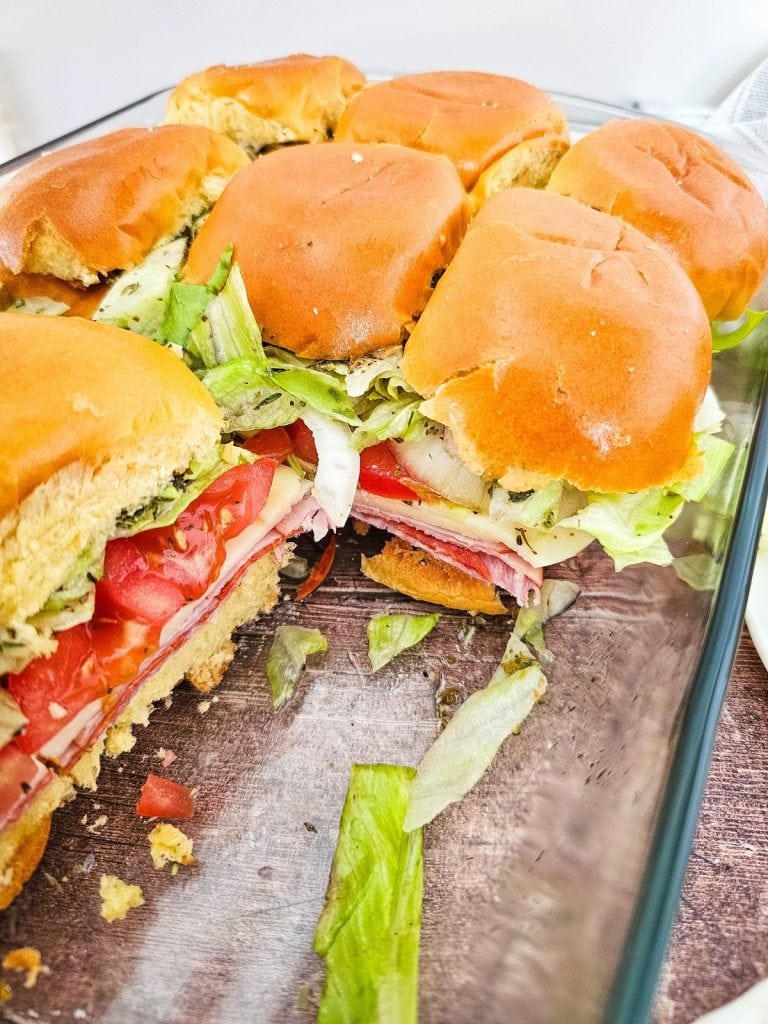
{"points": [[118, 897]]}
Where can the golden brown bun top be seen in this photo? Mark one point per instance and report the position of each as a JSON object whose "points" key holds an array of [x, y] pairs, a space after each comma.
{"points": [[291, 89], [562, 343], [87, 210], [686, 194], [471, 117], [74, 391], [338, 243]]}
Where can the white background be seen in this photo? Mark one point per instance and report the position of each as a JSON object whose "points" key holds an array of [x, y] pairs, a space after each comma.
{"points": [[63, 62]]}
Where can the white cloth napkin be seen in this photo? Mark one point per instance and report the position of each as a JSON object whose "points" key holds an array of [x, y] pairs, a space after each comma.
{"points": [[743, 116]]}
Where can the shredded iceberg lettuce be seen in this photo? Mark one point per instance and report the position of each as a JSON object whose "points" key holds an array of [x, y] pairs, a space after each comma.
{"points": [[463, 751], [369, 930], [138, 300], [733, 332], [287, 658], [390, 635]]}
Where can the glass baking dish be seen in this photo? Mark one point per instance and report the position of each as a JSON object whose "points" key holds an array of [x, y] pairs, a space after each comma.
{"points": [[549, 891]]}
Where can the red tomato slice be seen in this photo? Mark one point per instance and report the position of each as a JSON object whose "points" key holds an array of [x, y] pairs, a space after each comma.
{"points": [[380, 474], [320, 571], [274, 443], [237, 497], [303, 442], [147, 579], [470, 560], [91, 660], [130, 590], [162, 798]]}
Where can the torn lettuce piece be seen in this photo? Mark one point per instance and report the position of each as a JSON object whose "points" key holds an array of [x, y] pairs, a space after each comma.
{"points": [[713, 454], [168, 505], [538, 510], [370, 927], [287, 658], [321, 391], [227, 329], [731, 333], [390, 635], [465, 748], [249, 397], [40, 305], [700, 572], [12, 718], [399, 419], [555, 597], [338, 466], [74, 601], [188, 302], [138, 300], [378, 375]]}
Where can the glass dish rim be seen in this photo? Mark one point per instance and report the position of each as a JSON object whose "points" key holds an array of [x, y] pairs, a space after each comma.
{"points": [[656, 904]]}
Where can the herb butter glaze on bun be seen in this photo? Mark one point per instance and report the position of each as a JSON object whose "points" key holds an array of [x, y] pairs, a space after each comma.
{"points": [[85, 211], [563, 343], [685, 193], [497, 131], [291, 99], [338, 244]]}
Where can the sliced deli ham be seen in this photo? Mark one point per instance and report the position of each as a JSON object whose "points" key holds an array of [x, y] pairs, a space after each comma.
{"points": [[492, 563]]}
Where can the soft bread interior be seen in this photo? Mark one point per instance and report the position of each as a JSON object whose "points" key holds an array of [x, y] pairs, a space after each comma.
{"points": [[77, 507], [293, 99], [528, 165]]}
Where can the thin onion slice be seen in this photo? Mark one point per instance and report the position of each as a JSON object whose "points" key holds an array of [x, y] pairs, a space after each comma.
{"points": [[434, 461]]}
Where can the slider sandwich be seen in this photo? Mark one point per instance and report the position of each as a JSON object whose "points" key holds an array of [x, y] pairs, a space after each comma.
{"points": [[273, 103], [562, 355], [498, 131], [72, 220], [132, 543], [683, 192], [563, 358]]}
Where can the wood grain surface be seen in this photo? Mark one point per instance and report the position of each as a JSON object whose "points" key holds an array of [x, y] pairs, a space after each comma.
{"points": [[229, 939], [719, 947]]}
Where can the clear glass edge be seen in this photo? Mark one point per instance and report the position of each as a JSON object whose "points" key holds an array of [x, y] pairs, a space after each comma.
{"points": [[634, 986]]}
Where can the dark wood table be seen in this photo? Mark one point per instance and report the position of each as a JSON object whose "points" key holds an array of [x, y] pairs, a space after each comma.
{"points": [[720, 943]]}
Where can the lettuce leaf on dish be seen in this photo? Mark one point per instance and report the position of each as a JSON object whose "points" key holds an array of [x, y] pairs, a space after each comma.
{"points": [[465, 748], [369, 930], [287, 657], [390, 635]]}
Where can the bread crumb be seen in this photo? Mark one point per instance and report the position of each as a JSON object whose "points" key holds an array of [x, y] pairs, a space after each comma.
{"points": [[360, 528], [99, 823], [28, 959], [118, 897], [120, 739], [204, 706], [169, 844], [5, 992]]}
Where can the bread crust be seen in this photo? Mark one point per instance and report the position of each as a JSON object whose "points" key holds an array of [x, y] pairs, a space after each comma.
{"points": [[472, 117], [425, 578], [95, 388], [291, 99], [338, 244], [82, 212], [685, 193], [576, 335]]}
